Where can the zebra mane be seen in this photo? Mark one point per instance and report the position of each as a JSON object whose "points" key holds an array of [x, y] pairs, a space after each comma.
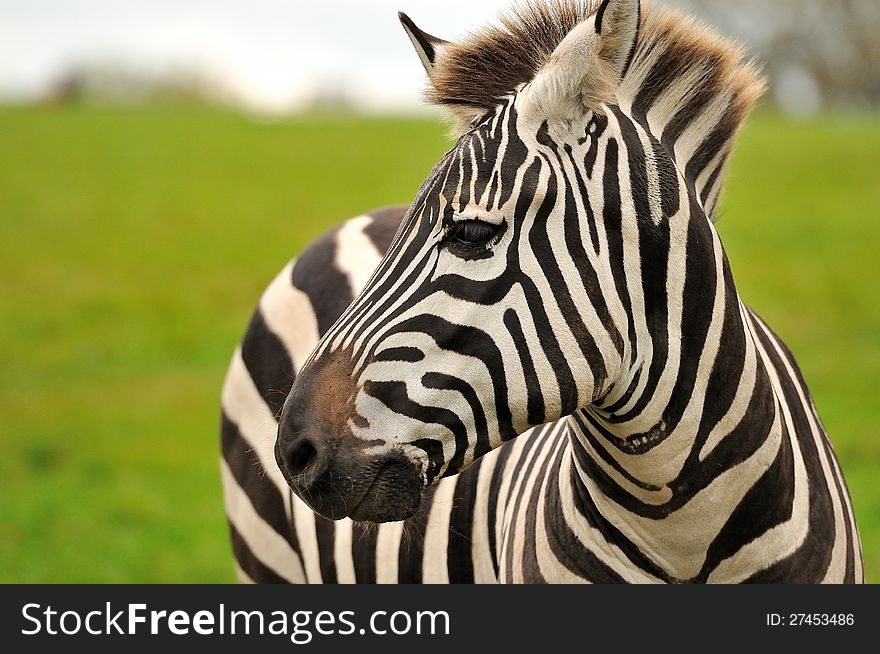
{"points": [[689, 86]]}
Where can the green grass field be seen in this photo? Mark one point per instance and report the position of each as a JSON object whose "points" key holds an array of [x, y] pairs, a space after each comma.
{"points": [[135, 243]]}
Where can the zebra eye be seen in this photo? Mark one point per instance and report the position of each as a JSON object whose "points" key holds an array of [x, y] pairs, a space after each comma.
{"points": [[472, 233]]}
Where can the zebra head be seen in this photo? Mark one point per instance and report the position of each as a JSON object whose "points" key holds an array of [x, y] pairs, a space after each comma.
{"points": [[503, 301]]}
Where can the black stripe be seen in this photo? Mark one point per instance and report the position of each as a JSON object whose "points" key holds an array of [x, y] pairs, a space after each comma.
{"points": [[843, 493], [465, 172], [600, 14], [377, 298], [765, 505], [599, 123], [654, 254], [493, 189], [698, 99], [698, 304], [516, 153], [667, 179], [635, 42], [395, 396], [412, 542], [612, 218], [711, 182], [810, 561], [407, 354], [485, 170], [742, 442], [246, 469], [590, 427], [711, 146], [531, 570], [459, 551], [662, 74], [363, 552], [584, 195], [522, 473], [268, 363], [250, 564], [468, 341], [426, 41], [384, 226], [325, 533], [325, 285], [498, 473], [448, 382], [568, 395], [535, 399], [572, 232], [586, 506], [566, 547]]}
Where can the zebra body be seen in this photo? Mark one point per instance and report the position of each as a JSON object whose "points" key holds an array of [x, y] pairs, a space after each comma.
{"points": [[540, 371]]}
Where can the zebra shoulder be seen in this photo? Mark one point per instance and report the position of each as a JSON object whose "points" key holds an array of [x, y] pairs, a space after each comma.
{"points": [[335, 267], [307, 297]]}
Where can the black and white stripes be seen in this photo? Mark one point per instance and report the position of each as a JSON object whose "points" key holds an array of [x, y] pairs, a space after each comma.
{"points": [[541, 371]]}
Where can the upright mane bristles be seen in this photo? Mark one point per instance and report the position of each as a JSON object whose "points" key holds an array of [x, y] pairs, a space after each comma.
{"points": [[489, 64], [689, 86], [692, 89]]}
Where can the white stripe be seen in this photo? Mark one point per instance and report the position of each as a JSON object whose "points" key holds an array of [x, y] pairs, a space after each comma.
{"points": [[243, 405], [289, 315], [671, 100], [434, 559], [737, 410], [678, 543], [699, 129], [388, 552], [304, 522], [511, 535], [857, 545], [484, 571], [542, 448], [642, 64], [243, 577], [593, 539], [342, 552], [785, 538], [504, 492], [703, 177], [266, 544], [550, 567], [356, 256]]}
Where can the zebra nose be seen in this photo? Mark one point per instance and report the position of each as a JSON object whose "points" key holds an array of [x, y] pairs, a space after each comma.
{"points": [[303, 459]]}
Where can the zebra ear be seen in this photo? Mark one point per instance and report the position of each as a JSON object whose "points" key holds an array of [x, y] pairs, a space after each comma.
{"points": [[427, 47], [586, 67], [430, 50], [617, 24]]}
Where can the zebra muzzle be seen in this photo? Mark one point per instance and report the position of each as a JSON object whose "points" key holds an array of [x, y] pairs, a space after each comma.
{"points": [[349, 484], [335, 473]]}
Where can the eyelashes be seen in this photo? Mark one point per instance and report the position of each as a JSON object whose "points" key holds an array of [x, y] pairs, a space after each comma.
{"points": [[472, 233]]}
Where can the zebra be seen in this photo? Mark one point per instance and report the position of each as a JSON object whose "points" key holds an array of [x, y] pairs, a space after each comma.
{"points": [[540, 370]]}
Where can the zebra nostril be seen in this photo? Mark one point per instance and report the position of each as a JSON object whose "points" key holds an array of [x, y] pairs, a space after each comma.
{"points": [[299, 456]]}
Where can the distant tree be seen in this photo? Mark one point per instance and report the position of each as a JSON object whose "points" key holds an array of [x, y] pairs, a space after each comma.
{"points": [[833, 45]]}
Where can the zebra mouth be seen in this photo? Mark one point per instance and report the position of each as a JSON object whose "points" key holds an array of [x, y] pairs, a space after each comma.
{"points": [[394, 493], [391, 489]]}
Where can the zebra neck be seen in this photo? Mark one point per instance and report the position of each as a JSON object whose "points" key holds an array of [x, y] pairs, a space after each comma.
{"points": [[662, 475]]}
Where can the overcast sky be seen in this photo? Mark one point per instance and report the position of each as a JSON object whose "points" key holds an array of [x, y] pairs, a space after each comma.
{"points": [[273, 51]]}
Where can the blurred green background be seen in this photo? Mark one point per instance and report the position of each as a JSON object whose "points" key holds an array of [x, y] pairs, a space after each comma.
{"points": [[134, 243]]}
